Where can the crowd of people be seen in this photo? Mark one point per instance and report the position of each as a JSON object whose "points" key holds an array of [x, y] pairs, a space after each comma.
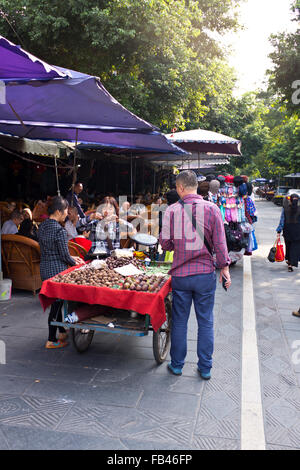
{"points": [[84, 224], [229, 215]]}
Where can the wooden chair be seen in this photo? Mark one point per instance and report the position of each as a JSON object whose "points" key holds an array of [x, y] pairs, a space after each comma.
{"points": [[126, 243], [5, 214], [76, 250], [21, 262]]}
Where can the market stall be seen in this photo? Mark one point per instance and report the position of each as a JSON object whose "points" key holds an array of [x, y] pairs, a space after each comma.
{"points": [[117, 295], [239, 215]]}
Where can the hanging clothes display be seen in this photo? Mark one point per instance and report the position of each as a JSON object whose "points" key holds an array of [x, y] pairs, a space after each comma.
{"points": [[239, 214]]}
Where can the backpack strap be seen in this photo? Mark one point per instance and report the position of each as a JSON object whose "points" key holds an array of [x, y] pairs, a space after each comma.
{"points": [[194, 222]]}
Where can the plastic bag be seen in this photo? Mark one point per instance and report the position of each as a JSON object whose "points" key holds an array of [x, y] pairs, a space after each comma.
{"points": [[279, 255], [250, 244], [271, 255], [254, 241], [169, 256]]}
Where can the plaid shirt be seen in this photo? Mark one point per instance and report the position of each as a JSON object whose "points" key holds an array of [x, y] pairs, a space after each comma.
{"points": [[75, 203], [55, 256], [191, 256], [99, 235]]}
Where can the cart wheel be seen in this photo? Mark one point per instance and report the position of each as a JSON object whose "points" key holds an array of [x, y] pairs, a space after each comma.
{"points": [[82, 339], [162, 338]]}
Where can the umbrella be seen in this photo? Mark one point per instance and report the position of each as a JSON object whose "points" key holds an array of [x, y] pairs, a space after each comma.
{"points": [[203, 141]]}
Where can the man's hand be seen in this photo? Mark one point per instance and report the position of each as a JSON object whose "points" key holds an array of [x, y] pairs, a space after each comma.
{"points": [[226, 274], [77, 260]]}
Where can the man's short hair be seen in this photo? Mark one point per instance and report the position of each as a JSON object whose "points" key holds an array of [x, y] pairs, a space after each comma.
{"points": [[188, 179], [16, 214]]}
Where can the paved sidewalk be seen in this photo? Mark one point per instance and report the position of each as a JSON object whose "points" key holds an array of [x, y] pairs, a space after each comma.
{"points": [[277, 294], [115, 396]]}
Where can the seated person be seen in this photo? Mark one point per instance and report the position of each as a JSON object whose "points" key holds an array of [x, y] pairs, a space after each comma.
{"points": [[106, 233], [10, 227], [158, 209], [27, 229], [148, 198], [27, 214], [70, 227], [138, 208], [11, 205], [40, 210], [125, 209]]}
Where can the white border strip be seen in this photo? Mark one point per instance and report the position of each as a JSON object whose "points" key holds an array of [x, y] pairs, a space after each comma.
{"points": [[252, 423]]}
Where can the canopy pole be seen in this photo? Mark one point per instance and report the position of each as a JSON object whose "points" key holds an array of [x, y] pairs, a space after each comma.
{"points": [[56, 173], [74, 167], [131, 181]]}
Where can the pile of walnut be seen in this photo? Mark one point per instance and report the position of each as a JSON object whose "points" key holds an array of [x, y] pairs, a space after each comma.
{"points": [[106, 277], [114, 262], [91, 277]]}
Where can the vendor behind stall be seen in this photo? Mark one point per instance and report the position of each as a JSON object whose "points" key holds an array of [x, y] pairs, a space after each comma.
{"points": [[106, 233], [55, 257]]}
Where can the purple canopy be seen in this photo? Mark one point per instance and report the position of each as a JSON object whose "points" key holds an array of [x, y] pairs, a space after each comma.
{"points": [[17, 64], [46, 102]]}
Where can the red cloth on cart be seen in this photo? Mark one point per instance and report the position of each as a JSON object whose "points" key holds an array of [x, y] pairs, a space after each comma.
{"points": [[152, 304]]}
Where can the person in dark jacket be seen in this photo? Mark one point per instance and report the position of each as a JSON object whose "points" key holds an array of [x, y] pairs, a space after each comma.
{"points": [[290, 225], [27, 230], [55, 257], [78, 188]]}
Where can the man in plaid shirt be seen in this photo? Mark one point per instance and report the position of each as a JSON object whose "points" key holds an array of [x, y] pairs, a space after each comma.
{"points": [[194, 229]]}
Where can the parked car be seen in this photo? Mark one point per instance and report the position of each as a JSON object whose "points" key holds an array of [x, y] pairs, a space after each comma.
{"points": [[292, 191], [280, 193]]}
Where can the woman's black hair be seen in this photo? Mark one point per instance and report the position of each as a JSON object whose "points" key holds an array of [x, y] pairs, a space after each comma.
{"points": [[26, 228], [172, 197], [58, 203]]}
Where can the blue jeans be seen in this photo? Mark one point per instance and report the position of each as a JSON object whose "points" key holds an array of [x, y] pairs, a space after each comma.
{"points": [[200, 289]]}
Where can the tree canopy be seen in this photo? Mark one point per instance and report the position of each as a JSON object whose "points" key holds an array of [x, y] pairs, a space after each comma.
{"points": [[162, 61], [285, 75], [157, 57]]}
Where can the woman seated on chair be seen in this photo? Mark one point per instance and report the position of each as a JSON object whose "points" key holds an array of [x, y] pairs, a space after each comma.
{"points": [[106, 233], [70, 227], [27, 229]]}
